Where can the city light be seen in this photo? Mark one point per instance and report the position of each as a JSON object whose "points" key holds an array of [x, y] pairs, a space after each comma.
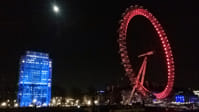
{"points": [[96, 102], [196, 92], [34, 100], [3, 104], [16, 105], [88, 102], [54, 101], [31, 105], [67, 101], [179, 98]]}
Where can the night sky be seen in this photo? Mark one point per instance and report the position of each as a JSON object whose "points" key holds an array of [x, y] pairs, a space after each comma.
{"points": [[82, 39]]}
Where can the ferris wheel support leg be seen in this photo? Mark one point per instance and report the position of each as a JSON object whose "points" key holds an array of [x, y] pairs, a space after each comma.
{"points": [[141, 70], [141, 74], [131, 95], [144, 71]]}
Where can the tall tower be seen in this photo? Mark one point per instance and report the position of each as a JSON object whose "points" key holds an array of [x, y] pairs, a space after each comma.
{"points": [[34, 87]]}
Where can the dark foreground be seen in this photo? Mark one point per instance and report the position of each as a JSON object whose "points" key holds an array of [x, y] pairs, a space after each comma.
{"points": [[97, 109]]}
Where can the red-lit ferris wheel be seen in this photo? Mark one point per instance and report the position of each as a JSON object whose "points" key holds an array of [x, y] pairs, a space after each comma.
{"points": [[137, 79]]}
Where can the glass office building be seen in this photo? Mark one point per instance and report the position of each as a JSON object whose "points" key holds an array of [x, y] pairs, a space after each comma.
{"points": [[34, 87]]}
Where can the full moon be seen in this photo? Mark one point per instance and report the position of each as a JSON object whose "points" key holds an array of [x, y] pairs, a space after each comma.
{"points": [[56, 8]]}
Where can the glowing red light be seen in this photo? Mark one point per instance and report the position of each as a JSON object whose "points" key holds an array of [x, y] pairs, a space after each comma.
{"points": [[127, 16]]}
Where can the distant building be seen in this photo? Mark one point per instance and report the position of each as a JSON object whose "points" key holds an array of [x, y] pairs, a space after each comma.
{"points": [[34, 87], [185, 96]]}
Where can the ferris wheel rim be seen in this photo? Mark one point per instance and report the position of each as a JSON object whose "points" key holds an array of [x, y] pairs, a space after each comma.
{"points": [[129, 14]]}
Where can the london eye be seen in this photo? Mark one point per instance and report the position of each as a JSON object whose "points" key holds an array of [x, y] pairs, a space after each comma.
{"points": [[137, 78]]}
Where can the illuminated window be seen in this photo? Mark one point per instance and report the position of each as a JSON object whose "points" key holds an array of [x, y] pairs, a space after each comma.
{"points": [[180, 98]]}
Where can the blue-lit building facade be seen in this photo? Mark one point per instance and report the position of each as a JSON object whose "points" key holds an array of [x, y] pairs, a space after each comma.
{"points": [[34, 87]]}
